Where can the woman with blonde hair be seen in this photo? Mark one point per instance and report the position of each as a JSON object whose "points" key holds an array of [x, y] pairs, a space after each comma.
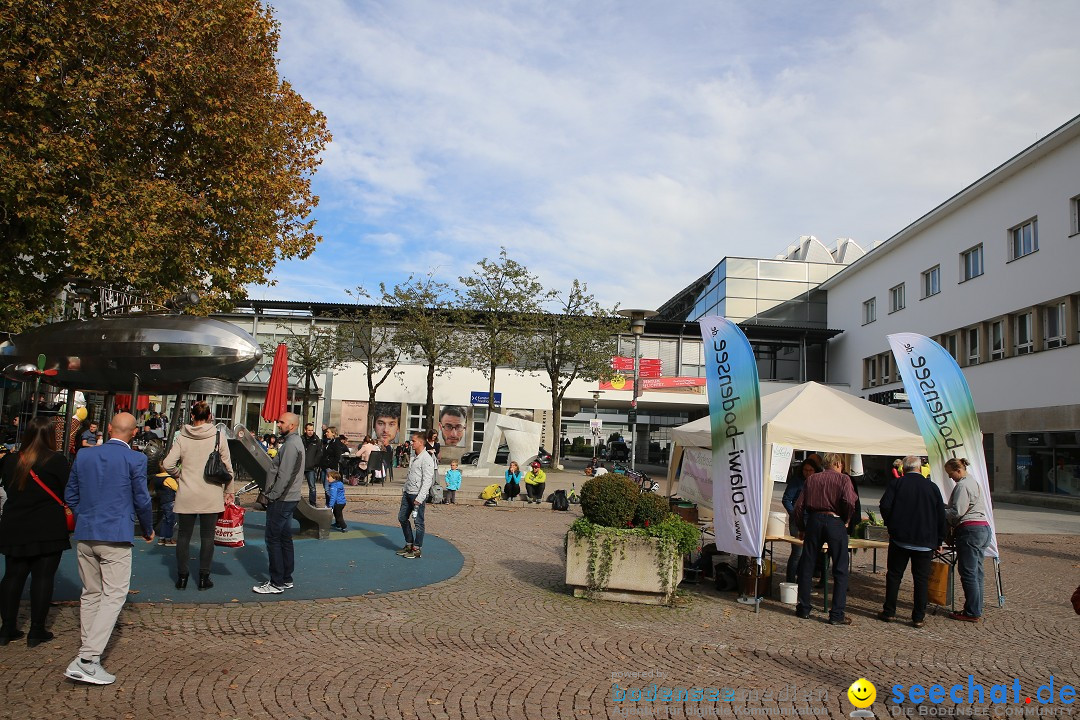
{"points": [[197, 498]]}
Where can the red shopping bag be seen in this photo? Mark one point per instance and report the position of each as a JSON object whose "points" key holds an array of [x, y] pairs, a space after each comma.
{"points": [[229, 531]]}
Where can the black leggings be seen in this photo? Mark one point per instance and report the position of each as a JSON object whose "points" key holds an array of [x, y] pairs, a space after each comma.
{"points": [[207, 521], [42, 570]]}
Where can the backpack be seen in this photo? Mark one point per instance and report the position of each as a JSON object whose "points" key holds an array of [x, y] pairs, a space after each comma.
{"points": [[491, 492], [436, 495], [559, 501]]}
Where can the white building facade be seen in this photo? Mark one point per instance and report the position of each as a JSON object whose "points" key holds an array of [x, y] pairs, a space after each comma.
{"points": [[993, 275]]}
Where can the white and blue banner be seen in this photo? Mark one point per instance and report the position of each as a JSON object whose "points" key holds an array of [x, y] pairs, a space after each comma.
{"points": [[941, 400], [735, 423]]}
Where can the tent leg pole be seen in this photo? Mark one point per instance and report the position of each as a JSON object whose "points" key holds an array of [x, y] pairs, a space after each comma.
{"points": [[997, 579]]}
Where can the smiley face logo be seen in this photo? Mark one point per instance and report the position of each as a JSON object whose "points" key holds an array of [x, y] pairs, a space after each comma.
{"points": [[618, 382], [862, 693]]}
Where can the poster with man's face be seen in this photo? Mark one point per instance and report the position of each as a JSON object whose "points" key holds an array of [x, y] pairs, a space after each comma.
{"points": [[453, 421], [387, 422]]}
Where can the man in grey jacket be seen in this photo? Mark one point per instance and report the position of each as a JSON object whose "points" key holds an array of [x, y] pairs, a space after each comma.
{"points": [[413, 495], [283, 492]]}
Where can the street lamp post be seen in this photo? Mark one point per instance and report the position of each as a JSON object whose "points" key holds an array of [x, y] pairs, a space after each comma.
{"points": [[596, 416], [637, 327]]}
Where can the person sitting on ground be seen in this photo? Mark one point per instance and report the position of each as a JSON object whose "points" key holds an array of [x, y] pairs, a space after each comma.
{"points": [[453, 483], [513, 482], [535, 480]]}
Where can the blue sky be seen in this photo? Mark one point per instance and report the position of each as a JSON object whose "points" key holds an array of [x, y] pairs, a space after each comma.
{"points": [[633, 144]]}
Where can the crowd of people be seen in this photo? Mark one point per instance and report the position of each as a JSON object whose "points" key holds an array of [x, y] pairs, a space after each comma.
{"points": [[106, 486], [823, 504]]}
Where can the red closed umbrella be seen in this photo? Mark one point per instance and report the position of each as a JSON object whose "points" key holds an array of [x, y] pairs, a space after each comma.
{"points": [[277, 390], [123, 403]]}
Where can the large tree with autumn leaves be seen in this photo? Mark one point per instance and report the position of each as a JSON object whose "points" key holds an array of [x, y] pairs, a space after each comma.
{"points": [[150, 146]]}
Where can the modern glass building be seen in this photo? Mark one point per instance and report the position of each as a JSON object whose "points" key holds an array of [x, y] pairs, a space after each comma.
{"points": [[776, 302]]}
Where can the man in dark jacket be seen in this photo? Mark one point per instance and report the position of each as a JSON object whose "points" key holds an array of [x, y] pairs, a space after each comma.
{"points": [[313, 452], [914, 511]]}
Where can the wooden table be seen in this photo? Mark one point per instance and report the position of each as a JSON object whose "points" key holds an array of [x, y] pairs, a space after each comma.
{"points": [[853, 544]]}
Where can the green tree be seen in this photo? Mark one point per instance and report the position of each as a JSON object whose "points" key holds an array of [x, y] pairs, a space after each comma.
{"points": [[152, 148], [504, 300], [576, 342], [311, 353], [368, 336], [431, 327]]}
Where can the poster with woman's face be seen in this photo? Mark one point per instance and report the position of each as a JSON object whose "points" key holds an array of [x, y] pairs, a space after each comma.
{"points": [[453, 420]]}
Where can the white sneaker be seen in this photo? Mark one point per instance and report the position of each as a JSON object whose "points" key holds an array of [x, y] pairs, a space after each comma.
{"points": [[89, 672], [287, 586], [268, 588]]}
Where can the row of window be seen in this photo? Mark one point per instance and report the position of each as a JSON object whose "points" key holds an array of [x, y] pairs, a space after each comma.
{"points": [[1043, 327], [1023, 240]]}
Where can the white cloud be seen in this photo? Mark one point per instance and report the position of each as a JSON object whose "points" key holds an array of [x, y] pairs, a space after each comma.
{"points": [[635, 145]]}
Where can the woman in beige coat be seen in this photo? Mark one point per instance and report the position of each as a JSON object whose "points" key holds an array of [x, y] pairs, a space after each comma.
{"points": [[197, 497]]}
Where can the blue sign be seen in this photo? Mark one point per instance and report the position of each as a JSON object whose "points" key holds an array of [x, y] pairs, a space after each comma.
{"points": [[477, 397]]}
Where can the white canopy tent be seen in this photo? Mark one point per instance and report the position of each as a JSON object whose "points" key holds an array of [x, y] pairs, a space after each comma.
{"points": [[810, 416]]}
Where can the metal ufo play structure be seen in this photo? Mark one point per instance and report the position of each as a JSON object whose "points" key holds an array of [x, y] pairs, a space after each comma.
{"points": [[167, 353]]}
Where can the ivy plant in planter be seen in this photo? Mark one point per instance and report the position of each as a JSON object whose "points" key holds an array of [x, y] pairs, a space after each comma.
{"points": [[628, 546]]}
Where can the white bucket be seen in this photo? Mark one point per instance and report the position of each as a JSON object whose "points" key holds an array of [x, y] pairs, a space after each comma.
{"points": [[777, 525], [789, 593]]}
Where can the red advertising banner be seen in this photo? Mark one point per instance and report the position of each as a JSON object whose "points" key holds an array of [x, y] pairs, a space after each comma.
{"points": [[660, 384]]}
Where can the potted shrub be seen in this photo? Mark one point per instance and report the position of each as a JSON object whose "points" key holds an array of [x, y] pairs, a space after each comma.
{"points": [[628, 546]]}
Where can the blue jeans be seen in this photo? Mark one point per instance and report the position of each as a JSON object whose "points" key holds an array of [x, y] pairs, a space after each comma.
{"points": [[971, 544], [279, 544], [411, 538], [166, 502], [312, 477], [822, 529]]}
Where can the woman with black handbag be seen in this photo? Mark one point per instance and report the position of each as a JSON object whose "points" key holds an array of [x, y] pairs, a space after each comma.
{"points": [[198, 496], [33, 530]]}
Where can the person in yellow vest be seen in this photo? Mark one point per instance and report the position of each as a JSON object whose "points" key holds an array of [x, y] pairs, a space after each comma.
{"points": [[535, 480], [925, 469]]}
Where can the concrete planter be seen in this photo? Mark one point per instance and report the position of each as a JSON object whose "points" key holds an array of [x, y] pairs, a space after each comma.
{"points": [[634, 576]]}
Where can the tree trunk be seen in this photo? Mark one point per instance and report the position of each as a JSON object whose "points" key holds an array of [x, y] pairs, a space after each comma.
{"points": [[491, 389], [556, 429], [371, 404], [307, 395], [430, 409]]}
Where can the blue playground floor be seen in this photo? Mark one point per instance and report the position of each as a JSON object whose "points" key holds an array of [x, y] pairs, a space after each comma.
{"points": [[356, 562]]}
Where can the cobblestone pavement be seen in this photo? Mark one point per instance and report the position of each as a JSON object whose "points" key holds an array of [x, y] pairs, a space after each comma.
{"points": [[504, 639]]}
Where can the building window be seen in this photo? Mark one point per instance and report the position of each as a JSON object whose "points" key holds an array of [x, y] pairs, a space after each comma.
{"points": [[973, 346], [1054, 324], [479, 423], [886, 368], [870, 372], [869, 311], [931, 281], [1024, 239], [949, 343], [997, 340], [1024, 343], [1074, 209], [418, 421], [896, 298], [971, 263]]}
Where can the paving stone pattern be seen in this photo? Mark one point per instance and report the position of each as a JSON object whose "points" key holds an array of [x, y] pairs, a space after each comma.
{"points": [[504, 639]]}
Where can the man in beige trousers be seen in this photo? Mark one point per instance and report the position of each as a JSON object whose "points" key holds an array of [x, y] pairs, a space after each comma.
{"points": [[107, 487]]}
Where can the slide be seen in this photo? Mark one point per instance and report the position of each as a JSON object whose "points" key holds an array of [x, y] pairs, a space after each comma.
{"points": [[248, 453]]}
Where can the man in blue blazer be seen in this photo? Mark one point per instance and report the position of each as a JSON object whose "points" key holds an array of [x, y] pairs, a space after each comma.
{"points": [[107, 491]]}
